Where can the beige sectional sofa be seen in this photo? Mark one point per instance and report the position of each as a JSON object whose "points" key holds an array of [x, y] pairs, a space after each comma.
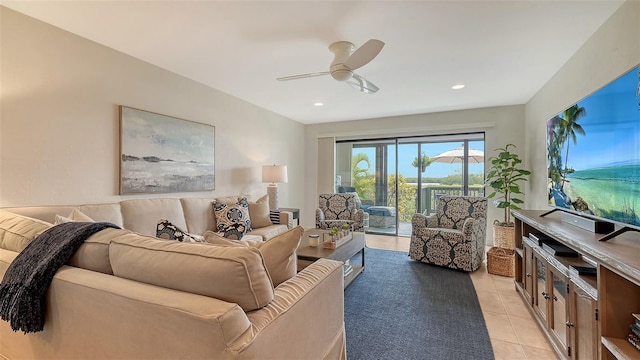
{"points": [[128, 295]]}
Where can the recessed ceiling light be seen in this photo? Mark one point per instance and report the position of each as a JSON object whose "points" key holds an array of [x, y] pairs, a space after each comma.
{"points": [[318, 104], [457, 87]]}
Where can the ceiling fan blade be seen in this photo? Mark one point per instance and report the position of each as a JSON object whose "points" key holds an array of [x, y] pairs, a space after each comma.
{"points": [[364, 54], [302, 76], [362, 84]]}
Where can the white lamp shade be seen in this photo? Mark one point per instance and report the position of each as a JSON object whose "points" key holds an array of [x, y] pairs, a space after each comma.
{"points": [[274, 174]]}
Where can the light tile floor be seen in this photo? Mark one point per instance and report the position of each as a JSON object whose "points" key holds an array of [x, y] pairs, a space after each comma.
{"points": [[513, 331]]}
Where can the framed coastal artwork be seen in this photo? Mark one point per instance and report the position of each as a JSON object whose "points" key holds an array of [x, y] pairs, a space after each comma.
{"points": [[164, 154]]}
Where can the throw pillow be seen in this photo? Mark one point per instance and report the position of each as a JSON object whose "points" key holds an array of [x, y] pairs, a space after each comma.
{"points": [[279, 252], [233, 218], [61, 220], [17, 231], [232, 199], [166, 230], [234, 231], [75, 215], [259, 213]]}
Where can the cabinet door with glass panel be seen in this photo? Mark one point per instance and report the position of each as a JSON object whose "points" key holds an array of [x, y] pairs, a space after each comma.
{"points": [[558, 289], [541, 297]]}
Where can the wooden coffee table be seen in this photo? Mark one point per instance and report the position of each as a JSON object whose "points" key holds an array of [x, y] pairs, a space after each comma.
{"points": [[308, 254]]}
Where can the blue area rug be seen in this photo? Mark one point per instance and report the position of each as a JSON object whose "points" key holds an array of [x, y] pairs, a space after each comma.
{"points": [[399, 308]]}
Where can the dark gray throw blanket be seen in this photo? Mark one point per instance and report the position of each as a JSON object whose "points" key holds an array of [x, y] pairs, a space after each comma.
{"points": [[23, 290]]}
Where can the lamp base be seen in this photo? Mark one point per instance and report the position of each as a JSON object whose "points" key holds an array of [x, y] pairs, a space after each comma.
{"points": [[272, 191]]}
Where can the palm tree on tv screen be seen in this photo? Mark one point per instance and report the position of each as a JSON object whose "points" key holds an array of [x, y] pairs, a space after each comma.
{"points": [[569, 128], [554, 147]]}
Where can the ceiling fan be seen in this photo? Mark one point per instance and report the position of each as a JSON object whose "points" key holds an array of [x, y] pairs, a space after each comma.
{"points": [[345, 61]]}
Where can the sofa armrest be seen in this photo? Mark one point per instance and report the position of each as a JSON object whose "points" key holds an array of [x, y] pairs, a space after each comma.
{"points": [[286, 218], [91, 313], [358, 220], [309, 308], [280, 217], [468, 226], [421, 220]]}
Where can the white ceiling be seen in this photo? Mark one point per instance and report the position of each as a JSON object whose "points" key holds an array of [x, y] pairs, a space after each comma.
{"points": [[503, 51]]}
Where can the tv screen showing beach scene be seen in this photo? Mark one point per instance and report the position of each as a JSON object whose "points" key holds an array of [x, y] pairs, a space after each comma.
{"points": [[593, 153]]}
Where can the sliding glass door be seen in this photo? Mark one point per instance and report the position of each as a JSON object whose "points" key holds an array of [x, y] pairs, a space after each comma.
{"points": [[395, 178]]}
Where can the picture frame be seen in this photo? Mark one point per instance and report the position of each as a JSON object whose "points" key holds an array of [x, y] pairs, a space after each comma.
{"points": [[164, 154]]}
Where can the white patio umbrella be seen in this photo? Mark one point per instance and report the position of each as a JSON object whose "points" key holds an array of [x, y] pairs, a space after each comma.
{"points": [[456, 155]]}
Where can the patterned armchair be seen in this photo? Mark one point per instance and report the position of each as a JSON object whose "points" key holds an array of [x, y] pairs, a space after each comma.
{"points": [[454, 236], [338, 209]]}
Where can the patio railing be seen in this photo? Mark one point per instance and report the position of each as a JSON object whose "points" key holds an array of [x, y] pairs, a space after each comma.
{"points": [[430, 195]]}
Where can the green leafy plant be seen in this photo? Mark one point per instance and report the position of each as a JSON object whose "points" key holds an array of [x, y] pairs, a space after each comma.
{"points": [[504, 177]]}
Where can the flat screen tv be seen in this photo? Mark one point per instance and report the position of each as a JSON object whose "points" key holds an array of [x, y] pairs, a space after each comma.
{"points": [[593, 154]]}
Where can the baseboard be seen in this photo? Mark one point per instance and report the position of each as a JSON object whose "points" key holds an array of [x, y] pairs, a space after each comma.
{"points": [[596, 226]]}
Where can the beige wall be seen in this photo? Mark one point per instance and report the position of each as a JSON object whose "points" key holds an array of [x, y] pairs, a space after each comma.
{"points": [[610, 52], [59, 126], [501, 125]]}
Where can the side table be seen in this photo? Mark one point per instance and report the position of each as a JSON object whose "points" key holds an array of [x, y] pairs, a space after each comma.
{"points": [[296, 214]]}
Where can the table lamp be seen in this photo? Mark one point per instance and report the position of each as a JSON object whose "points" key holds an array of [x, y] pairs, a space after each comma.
{"points": [[274, 174]]}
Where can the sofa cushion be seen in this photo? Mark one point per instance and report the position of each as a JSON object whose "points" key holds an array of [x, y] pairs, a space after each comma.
{"points": [[259, 213], [17, 231], [141, 215], [233, 218], [166, 230], [198, 214], [268, 232], [104, 212], [279, 253], [232, 274], [93, 254]]}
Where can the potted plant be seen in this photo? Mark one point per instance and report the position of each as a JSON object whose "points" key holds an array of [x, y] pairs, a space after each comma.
{"points": [[504, 177], [424, 162], [334, 232]]}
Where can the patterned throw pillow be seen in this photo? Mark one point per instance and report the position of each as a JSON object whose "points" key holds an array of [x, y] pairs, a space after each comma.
{"points": [[232, 220], [234, 231], [166, 230]]}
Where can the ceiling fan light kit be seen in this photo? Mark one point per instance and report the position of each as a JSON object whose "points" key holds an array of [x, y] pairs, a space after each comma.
{"points": [[346, 60]]}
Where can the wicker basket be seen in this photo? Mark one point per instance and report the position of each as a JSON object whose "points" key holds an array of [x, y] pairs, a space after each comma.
{"points": [[501, 261], [504, 236]]}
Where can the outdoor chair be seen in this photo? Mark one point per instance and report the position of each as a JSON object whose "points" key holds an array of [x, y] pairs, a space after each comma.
{"points": [[334, 210], [454, 236]]}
